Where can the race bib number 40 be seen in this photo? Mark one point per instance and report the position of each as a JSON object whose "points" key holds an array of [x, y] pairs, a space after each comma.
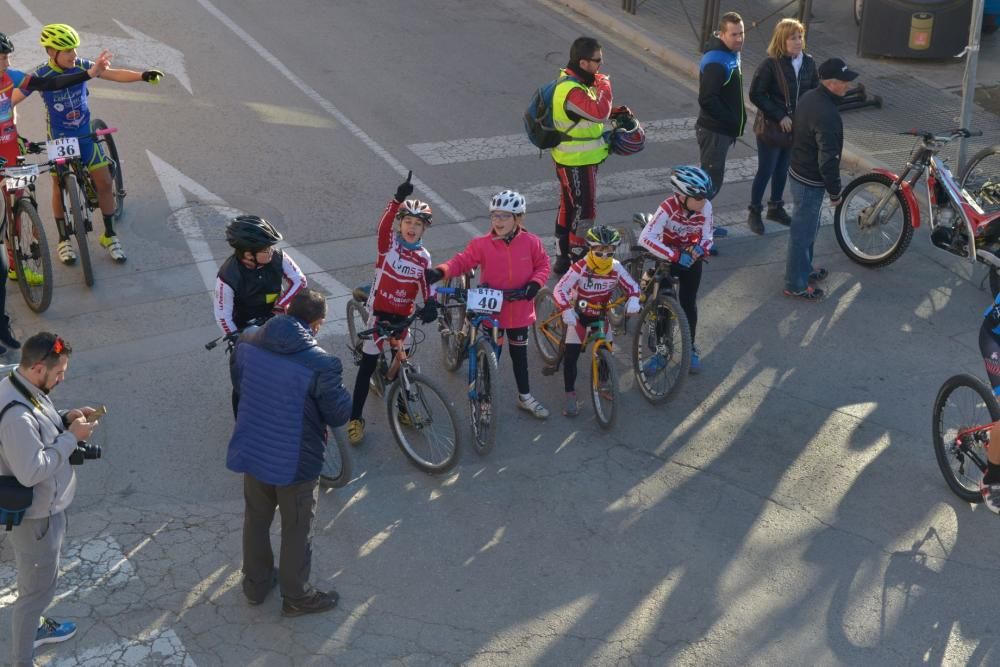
{"points": [[15, 178], [483, 300], [63, 147]]}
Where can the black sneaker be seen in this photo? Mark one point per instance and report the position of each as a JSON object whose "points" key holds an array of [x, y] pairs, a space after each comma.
{"points": [[561, 265], [754, 222], [315, 603], [776, 211], [7, 337]]}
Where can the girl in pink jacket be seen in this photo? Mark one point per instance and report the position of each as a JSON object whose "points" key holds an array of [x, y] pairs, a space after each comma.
{"points": [[510, 258]]}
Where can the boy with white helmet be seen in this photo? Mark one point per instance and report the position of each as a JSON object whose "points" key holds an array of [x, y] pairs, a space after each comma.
{"points": [[680, 232]]}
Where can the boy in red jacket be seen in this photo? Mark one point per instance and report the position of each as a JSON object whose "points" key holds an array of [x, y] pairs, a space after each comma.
{"points": [[510, 258]]}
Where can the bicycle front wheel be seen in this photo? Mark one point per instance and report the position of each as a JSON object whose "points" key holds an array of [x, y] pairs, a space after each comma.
{"points": [[451, 319], [604, 387], [117, 173], [482, 397], [963, 402], [424, 423], [868, 237], [30, 251], [548, 330], [661, 349], [357, 320], [76, 224], [336, 470]]}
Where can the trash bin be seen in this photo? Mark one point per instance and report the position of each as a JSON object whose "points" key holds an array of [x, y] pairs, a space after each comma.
{"points": [[914, 28]]}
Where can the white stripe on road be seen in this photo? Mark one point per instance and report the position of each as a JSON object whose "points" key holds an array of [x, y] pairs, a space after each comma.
{"points": [[517, 145], [617, 185], [149, 648], [328, 107]]}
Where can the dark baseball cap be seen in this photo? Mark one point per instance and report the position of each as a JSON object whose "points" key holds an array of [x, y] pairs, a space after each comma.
{"points": [[835, 68]]}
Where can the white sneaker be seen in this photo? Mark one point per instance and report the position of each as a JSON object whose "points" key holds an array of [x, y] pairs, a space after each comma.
{"points": [[531, 404], [66, 253], [114, 247]]}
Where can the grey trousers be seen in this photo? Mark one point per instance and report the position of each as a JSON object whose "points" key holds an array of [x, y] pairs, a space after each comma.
{"points": [[714, 147], [297, 504], [37, 543]]}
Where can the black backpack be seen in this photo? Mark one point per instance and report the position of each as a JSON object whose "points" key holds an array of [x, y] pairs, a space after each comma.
{"points": [[538, 123]]}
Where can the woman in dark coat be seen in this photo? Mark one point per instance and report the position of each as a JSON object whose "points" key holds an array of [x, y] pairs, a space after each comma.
{"points": [[787, 51]]}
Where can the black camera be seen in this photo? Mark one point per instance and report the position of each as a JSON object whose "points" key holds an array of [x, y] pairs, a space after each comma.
{"points": [[84, 451]]}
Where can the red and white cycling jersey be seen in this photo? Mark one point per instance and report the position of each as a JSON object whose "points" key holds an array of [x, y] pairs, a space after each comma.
{"points": [[399, 271], [580, 283], [674, 228]]}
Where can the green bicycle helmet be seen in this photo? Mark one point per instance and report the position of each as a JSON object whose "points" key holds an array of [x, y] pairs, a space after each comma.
{"points": [[59, 36], [603, 235]]}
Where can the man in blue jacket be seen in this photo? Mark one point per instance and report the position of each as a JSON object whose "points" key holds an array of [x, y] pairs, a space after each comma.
{"points": [[288, 391]]}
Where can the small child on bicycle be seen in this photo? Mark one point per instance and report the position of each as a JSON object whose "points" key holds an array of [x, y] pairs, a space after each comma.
{"points": [[68, 115], [511, 258], [680, 232], [250, 284], [400, 274], [582, 291]]}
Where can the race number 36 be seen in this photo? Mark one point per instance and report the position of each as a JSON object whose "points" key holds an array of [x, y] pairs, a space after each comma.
{"points": [[63, 147], [485, 300]]}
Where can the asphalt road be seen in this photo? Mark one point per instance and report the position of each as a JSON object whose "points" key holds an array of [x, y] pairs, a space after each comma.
{"points": [[786, 509]]}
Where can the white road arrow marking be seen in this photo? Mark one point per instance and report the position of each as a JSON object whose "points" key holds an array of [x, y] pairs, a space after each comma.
{"points": [[149, 648], [139, 50], [175, 184], [517, 145]]}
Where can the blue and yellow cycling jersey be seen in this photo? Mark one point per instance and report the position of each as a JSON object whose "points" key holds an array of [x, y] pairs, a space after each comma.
{"points": [[67, 111]]}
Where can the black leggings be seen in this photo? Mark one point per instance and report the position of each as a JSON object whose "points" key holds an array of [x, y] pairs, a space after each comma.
{"points": [[365, 371], [689, 280], [518, 357], [989, 347], [570, 358]]}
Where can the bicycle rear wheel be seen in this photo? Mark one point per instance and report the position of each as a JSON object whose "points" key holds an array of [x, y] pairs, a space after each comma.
{"points": [[548, 329], [481, 398], [962, 402], [30, 251], [604, 387], [76, 223], [336, 470], [117, 173], [661, 349], [451, 318], [357, 320], [424, 423]]}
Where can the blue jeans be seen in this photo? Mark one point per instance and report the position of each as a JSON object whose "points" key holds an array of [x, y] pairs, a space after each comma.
{"points": [[802, 235], [772, 165]]}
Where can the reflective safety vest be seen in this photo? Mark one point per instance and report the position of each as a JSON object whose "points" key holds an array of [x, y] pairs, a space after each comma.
{"points": [[585, 145]]}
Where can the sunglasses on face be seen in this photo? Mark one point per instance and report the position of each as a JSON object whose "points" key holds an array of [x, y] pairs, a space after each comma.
{"points": [[594, 60], [500, 215], [603, 253]]}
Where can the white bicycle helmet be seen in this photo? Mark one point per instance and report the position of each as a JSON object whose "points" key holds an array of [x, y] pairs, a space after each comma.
{"points": [[509, 201], [691, 181]]}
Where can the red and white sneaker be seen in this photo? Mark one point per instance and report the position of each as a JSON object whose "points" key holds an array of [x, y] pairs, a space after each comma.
{"points": [[991, 496]]}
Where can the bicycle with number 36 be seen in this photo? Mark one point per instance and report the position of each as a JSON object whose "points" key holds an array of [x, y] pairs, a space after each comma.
{"points": [[76, 187]]}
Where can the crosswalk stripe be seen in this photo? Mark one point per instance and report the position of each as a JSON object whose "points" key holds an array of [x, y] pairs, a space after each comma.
{"points": [[616, 185], [517, 145]]}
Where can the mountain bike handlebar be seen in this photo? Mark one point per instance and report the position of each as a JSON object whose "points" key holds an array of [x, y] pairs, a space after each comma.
{"points": [[951, 135], [36, 147], [386, 329]]}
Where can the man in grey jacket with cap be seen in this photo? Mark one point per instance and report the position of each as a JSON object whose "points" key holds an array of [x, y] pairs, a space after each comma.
{"points": [[36, 442]]}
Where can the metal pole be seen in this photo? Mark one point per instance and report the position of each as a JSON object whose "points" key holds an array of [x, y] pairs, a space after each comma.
{"points": [[709, 20], [969, 80], [805, 12]]}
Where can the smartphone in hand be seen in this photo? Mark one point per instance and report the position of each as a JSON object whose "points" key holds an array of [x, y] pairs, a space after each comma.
{"points": [[97, 414]]}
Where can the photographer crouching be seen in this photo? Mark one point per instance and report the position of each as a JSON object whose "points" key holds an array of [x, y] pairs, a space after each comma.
{"points": [[38, 447]]}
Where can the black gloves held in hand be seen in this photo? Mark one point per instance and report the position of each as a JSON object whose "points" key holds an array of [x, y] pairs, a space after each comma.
{"points": [[433, 275], [403, 191], [429, 312], [531, 289]]}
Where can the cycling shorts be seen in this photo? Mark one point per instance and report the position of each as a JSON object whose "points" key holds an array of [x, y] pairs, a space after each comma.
{"points": [[989, 346], [576, 334]]}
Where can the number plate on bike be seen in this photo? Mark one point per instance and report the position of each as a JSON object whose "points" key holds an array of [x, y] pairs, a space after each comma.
{"points": [[483, 300], [15, 178], [63, 147]]}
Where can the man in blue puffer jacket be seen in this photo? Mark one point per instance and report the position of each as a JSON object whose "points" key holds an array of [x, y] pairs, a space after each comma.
{"points": [[289, 390]]}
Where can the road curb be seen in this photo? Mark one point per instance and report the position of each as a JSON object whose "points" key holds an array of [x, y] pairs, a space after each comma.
{"points": [[852, 156]]}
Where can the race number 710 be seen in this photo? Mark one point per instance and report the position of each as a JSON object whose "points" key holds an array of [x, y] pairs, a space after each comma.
{"points": [[15, 178]]}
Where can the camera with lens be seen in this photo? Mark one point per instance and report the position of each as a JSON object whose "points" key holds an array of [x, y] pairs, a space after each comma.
{"points": [[84, 451]]}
